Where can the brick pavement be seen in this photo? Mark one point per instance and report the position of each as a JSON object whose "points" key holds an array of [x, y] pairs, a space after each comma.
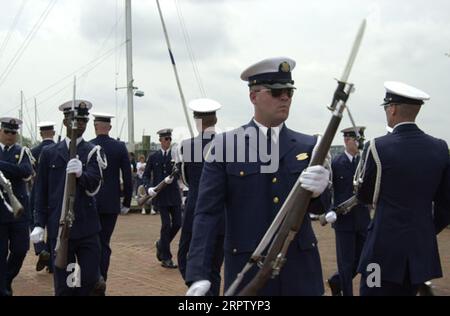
{"points": [[134, 269]]}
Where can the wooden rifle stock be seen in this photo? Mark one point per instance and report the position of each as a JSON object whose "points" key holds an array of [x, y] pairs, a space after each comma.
{"points": [[67, 213]]}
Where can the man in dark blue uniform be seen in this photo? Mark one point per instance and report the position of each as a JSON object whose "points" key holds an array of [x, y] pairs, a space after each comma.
{"points": [[407, 179], [248, 174], [84, 244], [193, 151], [42, 249], [108, 198], [15, 167], [350, 228], [168, 201]]}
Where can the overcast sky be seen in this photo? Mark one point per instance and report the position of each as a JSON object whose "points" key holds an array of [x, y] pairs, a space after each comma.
{"points": [[405, 40]]}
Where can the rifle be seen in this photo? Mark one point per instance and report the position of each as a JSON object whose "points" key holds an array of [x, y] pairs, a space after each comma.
{"points": [[144, 197], [296, 204], [176, 160], [341, 209], [14, 205], [67, 213]]}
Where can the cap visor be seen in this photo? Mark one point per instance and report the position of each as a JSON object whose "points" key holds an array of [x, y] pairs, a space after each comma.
{"points": [[280, 86], [9, 129]]}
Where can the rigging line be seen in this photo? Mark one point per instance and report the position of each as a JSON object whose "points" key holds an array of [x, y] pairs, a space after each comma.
{"points": [[191, 54], [83, 75], [25, 44], [114, 27], [65, 77], [105, 55], [13, 25]]}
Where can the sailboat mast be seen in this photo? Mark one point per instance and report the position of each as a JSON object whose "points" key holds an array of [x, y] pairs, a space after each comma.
{"points": [[172, 59], [129, 76]]}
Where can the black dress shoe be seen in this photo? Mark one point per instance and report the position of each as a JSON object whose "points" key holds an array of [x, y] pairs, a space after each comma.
{"points": [[158, 252], [43, 261], [99, 288], [335, 288], [426, 289], [8, 290], [169, 264]]}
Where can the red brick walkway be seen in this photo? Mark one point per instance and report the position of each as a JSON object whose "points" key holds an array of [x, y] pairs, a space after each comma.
{"points": [[134, 269]]}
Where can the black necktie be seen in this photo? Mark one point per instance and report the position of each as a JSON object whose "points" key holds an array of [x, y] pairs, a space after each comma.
{"points": [[5, 149], [354, 162], [269, 141], [165, 154]]}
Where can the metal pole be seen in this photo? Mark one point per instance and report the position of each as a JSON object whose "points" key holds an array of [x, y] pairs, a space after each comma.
{"points": [[183, 101], [21, 117], [129, 75], [35, 122]]}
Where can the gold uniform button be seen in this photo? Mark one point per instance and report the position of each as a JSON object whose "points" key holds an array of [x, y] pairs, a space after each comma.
{"points": [[276, 200], [242, 173], [274, 180]]}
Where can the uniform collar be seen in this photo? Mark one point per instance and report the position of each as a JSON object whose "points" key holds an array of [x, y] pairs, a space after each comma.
{"points": [[165, 151], [3, 146], [50, 139], [403, 123], [275, 130], [79, 139], [349, 156]]}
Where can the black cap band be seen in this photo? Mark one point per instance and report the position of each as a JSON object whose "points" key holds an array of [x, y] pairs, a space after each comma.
{"points": [[10, 126], [46, 128], [102, 119], [395, 98], [270, 78]]}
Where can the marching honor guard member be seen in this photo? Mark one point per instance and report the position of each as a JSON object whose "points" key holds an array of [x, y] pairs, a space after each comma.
{"points": [[108, 201], [15, 169], [248, 176], [168, 201], [193, 151], [42, 249], [407, 180], [82, 272], [350, 228]]}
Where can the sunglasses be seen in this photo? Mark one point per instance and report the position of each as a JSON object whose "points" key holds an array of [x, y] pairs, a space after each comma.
{"points": [[10, 132], [276, 93], [167, 138]]}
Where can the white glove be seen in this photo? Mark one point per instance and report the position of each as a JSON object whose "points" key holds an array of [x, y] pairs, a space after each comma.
{"points": [[124, 210], [75, 166], [315, 179], [168, 179], [199, 288], [151, 192], [37, 235], [331, 217]]}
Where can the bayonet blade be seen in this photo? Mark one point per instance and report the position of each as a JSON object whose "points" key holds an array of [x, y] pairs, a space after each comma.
{"points": [[354, 52]]}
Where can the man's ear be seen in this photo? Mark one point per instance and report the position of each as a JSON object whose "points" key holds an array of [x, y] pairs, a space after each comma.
{"points": [[252, 96], [393, 110]]}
